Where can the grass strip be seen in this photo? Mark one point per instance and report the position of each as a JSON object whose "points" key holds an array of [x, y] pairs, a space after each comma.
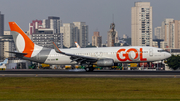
{"points": [[87, 89]]}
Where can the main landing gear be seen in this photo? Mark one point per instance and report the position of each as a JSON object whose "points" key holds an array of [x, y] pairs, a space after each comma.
{"points": [[89, 69]]}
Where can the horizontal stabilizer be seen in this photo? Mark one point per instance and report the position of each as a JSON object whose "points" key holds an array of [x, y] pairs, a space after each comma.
{"points": [[17, 53]]}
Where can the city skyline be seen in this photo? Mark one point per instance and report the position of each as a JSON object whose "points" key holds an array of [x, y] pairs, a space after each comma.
{"points": [[96, 13]]}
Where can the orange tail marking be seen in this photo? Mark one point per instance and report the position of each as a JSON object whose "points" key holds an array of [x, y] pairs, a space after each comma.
{"points": [[29, 45]]}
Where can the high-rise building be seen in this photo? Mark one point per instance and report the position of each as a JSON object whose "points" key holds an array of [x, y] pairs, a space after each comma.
{"points": [[96, 39], [165, 30], [45, 36], [8, 44], [35, 24], [52, 23], [155, 44], [112, 36], [1, 24], [43, 33], [1, 34], [157, 33], [109, 40], [170, 30], [163, 45], [174, 34], [75, 32], [70, 34], [82, 32], [141, 24], [116, 37]]}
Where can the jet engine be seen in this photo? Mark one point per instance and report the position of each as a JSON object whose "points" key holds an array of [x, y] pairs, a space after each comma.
{"points": [[105, 62]]}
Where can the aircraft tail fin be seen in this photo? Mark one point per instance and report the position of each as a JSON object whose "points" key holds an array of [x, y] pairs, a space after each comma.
{"points": [[23, 43], [77, 45], [5, 61]]}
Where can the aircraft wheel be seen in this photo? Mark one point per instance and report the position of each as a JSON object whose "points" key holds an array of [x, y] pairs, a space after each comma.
{"points": [[89, 69]]}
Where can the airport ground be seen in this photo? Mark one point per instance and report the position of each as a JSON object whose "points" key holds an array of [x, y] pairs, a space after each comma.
{"points": [[109, 85]]}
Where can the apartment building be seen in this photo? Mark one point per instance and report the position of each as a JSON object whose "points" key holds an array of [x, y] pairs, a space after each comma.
{"points": [[157, 33], [47, 31], [70, 34], [96, 39], [75, 32], [141, 24], [8, 44], [82, 32]]}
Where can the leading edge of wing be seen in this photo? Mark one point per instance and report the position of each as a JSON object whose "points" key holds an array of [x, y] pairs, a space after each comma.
{"points": [[73, 55]]}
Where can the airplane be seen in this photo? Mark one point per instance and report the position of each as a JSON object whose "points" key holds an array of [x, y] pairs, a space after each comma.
{"points": [[102, 56], [2, 64], [77, 45]]}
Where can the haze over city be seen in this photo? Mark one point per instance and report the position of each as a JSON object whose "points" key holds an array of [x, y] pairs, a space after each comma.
{"points": [[96, 13]]}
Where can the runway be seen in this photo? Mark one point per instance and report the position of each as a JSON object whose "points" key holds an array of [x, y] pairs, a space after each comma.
{"points": [[96, 73]]}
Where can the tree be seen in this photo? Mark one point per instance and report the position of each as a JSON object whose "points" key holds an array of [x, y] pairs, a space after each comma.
{"points": [[174, 62]]}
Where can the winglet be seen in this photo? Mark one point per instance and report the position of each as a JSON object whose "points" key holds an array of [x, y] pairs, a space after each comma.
{"points": [[56, 48]]}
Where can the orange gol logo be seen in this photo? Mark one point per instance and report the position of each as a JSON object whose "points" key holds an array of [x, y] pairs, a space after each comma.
{"points": [[127, 55]]}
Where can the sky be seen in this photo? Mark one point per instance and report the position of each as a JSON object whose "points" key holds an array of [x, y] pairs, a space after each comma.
{"points": [[96, 13]]}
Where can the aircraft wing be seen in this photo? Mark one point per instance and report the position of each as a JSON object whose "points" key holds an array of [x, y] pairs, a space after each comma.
{"points": [[78, 58]]}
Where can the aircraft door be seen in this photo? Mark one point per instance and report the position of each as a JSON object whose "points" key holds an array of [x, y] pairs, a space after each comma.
{"points": [[150, 52]]}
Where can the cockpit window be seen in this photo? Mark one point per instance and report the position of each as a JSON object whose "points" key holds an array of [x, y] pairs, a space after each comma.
{"points": [[162, 51]]}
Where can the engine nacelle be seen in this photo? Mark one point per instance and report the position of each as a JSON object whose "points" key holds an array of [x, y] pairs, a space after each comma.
{"points": [[105, 62]]}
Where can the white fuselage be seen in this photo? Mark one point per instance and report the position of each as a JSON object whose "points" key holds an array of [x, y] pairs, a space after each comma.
{"points": [[118, 54]]}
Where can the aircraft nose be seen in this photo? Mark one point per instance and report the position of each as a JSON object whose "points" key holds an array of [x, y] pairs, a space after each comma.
{"points": [[168, 55]]}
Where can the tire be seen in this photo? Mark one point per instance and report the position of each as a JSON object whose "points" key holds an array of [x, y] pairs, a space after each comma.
{"points": [[89, 69]]}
